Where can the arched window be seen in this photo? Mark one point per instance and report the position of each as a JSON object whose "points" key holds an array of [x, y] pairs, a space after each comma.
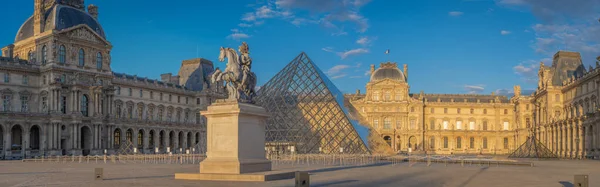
{"points": [[117, 138], [81, 57], [458, 142], [62, 54], [63, 78], [99, 60], [472, 142], [445, 142], [129, 135], [485, 146], [84, 105], [44, 55], [432, 142]]}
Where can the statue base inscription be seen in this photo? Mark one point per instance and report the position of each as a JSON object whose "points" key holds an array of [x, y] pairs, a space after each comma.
{"points": [[235, 145]]}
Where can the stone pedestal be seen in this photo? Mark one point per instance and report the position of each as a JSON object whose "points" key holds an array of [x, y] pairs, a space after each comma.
{"points": [[235, 139], [235, 145]]}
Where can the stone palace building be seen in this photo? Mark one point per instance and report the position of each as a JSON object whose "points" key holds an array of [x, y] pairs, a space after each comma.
{"points": [[563, 113], [60, 96]]}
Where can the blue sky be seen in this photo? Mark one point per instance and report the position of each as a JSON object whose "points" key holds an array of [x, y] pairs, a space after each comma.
{"points": [[450, 46]]}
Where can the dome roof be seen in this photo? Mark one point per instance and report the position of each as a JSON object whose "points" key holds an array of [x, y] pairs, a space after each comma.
{"points": [[388, 71], [60, 17]]}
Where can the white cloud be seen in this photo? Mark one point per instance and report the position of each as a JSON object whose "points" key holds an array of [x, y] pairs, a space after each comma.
{"points": [[368, 73], [473, 89], [331, 14], [504, 32], [328, 49], [528, 70], [238, 36], [338, 76], [244, 25], [352, 52], [364, 40], [505, 92], [337, 69], [356, 77], [455, 13]]}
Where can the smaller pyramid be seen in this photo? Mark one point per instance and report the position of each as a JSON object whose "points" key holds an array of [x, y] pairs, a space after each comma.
{"points": [[533, 148]]}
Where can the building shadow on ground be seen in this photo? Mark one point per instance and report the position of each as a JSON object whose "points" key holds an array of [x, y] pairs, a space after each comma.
{"points": [[473, 176], [29, 173], [346, 167], [566, 184], [143, 177]]}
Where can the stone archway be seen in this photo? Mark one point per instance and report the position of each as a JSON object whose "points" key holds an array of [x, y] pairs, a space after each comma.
{"points": [[161, 139], [151, 140], [172, 140], [140, 140], [189, 140], [180, 144], [16, 140], [117, 138], [86, 140], [412, 143], [34, 138], [388, 140]]}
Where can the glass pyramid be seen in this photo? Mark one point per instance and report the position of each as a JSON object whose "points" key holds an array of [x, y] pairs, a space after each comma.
{"points": [[307, 113]]}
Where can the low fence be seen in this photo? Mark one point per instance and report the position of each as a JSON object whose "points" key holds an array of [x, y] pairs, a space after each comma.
{"points": [[107, 159]]}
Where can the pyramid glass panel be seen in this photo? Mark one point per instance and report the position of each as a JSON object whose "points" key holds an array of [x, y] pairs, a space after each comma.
{"points": [[307, 112]]}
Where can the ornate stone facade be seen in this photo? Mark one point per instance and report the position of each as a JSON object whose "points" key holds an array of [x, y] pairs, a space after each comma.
{"points": [[64, 99], [565, 107], [435, 123]]}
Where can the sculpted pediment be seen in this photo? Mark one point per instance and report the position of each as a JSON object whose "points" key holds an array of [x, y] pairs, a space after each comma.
{"points": [[85, 33]]}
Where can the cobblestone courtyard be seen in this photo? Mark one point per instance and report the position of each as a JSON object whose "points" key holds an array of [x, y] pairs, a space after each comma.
{"points": [[544, 174]]}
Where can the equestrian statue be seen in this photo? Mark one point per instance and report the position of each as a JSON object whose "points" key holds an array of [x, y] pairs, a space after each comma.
{"points": [[238, 77]]}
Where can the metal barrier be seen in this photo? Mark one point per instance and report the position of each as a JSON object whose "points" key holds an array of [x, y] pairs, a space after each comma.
{"points": [[145, 159]]}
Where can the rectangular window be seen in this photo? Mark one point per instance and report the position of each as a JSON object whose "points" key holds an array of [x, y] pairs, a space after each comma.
{"points": [[387, 123], [459, 125], [432, 124], [6, 77], [472, 143], [485, 146], [445, 125], [63, 102], [458, 142], [161, 96], [6, 103], [472, 111], [432, 110], [118, 114], [505, 125], [151, 95], [412, 109], [197, 118], [458, 110], [485, 126], [505, 111], [527, 122], [527, 107], [505, 143], [413, 124], [141, 93], [198, 102], [24, 104], [445, 142], [376, 124], [170, 98], [472, 125], [484, 111], [187, 100], [432, 142], [25, 80], [44, 104], [398, 124], [118, 90], [178, 99], [445, 110], [130, 92]]}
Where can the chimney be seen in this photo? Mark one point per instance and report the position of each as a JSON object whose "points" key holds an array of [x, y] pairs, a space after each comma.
{"points": [[93, 11], [357, 91], [406, 71], [372, 68]]}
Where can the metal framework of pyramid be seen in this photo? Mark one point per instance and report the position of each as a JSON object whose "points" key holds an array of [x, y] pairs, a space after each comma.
{"points": [[533, 148], [307, 113]]}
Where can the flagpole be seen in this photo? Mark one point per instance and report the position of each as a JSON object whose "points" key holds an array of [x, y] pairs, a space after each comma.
{"points": [[387, 53]]}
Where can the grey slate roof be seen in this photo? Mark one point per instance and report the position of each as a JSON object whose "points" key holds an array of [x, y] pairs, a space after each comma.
{"points": [[60, 17], [564, 65]]}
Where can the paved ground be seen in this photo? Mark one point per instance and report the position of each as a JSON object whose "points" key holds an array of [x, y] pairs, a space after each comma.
{"points": [[544, 174]]}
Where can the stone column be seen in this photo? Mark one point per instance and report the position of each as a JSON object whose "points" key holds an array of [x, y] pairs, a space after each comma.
{"points": [[580, 136]]}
